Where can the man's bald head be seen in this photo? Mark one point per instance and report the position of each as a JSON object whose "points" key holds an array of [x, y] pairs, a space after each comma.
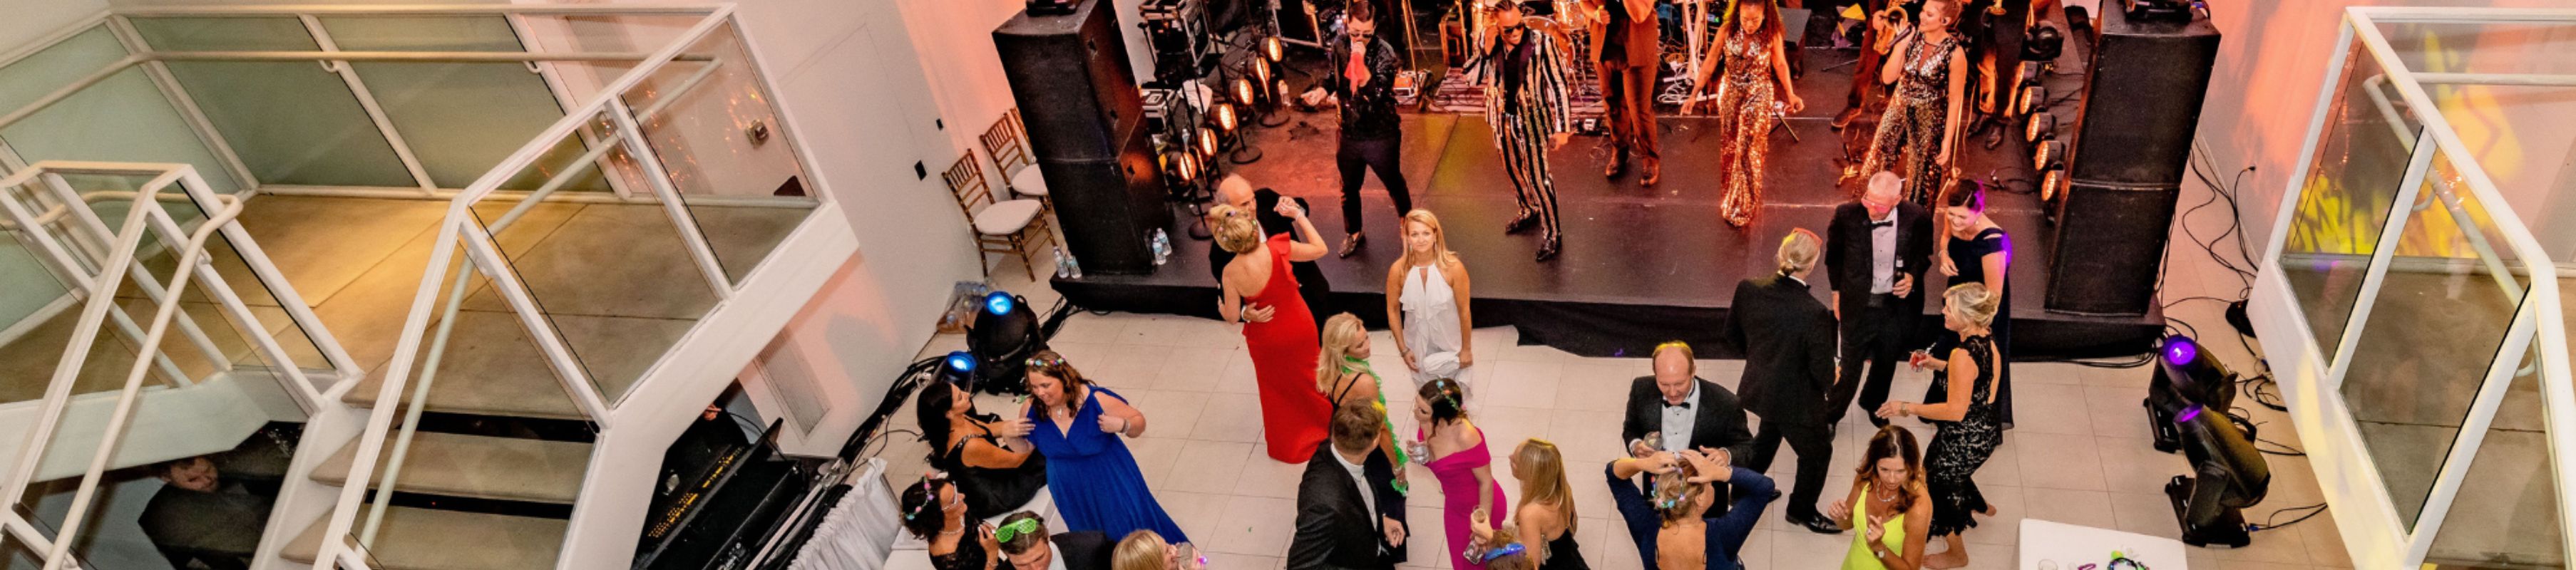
{"points": [[1885, 189], [1235, 190], [1675, 368]]}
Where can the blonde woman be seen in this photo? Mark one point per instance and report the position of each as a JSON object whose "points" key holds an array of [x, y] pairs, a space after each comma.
{"points": [[1144, 550], [1968, 424], [1546, 511], [1260, 292], [1426, 304], [1342, 374]]}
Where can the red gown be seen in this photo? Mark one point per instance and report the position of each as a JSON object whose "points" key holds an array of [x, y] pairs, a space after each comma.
{"points": [[1293, 414]]}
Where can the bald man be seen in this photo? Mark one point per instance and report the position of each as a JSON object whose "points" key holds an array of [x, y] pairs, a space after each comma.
{"points": [[1685, 411], [1236, 191], [1876, 250]]}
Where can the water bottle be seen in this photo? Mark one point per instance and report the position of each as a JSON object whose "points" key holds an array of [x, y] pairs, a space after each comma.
{"points": [[1065, 267], [1162, 246]]}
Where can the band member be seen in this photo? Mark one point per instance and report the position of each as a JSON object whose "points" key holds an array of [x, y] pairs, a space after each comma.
{"points": [[1525, 100], [1917, 136], [1756, 90], [1876, 39], [1371, 137], [1625, 41]]}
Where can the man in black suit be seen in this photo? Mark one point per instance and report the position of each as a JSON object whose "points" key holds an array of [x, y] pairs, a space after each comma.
{"points": [[1875, 254], [1236, 191], [1788, 340], [1685, 411], [1026, 543], [1349, 515]]}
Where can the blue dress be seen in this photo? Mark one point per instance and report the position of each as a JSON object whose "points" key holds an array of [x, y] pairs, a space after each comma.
{"points": [[1094, 479]]}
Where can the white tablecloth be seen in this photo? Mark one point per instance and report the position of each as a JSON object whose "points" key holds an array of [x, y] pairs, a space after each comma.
{"points": [[2059, 546]]}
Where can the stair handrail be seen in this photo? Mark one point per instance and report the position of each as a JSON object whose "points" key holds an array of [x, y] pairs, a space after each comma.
{"points": [[145, 216], [459, 229]]}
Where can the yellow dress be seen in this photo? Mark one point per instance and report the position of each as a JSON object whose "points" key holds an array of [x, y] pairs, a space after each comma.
{"points": [[1860, 557]]}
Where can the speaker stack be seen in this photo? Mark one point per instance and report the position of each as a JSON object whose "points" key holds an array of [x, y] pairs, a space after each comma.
{"points": [[2132, 149], [1078, 97]]}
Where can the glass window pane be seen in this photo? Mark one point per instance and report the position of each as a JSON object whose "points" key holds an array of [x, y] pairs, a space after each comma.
{"points": [[461, 119], [291, 122], [122, 119], [2440, 315], [2506, 514], [711, 124], [2361, 160]]}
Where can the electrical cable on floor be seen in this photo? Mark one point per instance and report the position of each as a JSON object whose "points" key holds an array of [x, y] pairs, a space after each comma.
{"points": [[2267, 524]]}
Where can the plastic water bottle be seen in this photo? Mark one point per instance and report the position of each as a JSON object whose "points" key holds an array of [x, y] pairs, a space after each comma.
{"points": [[1162, 246], [1065, 266]]}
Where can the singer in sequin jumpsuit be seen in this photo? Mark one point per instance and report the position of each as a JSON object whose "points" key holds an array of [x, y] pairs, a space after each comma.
{"points": [[1749, 102], [1913, 137]]}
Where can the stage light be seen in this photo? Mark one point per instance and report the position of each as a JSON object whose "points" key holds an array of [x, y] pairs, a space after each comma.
{"points": [[2049, 155], [1004, 334], [2186, 379], [1207, 142], [958, 369], [1279, 88], [2042, 126], [1243, 91], [2228, 475], [1225, 116], [2050, 184], [2034, 99], [1273, 49], [1261, 70]]}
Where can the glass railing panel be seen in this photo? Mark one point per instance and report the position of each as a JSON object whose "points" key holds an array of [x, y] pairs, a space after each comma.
{"points": [[2506, 512], [2436, 324], [710, 121], [2345, 201], [582, 81], [614, 278], [124, 118], [291, 122], [457, 138]]}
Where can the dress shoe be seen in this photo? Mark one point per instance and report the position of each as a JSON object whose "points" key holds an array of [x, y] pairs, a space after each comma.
{"points": [[1844, 120], [1617, 167], [1352, 245], [1547, 251], [1994, 138], [1654, 172], [1519, 223], [1817, 524]]}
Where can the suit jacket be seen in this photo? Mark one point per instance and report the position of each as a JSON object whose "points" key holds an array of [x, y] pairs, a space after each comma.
{"points": [[1368, 109], [1788, 341], [1083, 550], [1720, 422], [1310, 278], [1544, 89], [1848, 254], [1335, 529], [1644, 39]]}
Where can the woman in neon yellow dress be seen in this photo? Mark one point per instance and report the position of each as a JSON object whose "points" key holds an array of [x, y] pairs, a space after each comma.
{"points": [[1890, 493], [1342, 373]]}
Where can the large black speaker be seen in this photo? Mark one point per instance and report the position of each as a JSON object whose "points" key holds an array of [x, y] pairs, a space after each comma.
{"points": [[1078, 96], [1070, 77], [2132, 149]]}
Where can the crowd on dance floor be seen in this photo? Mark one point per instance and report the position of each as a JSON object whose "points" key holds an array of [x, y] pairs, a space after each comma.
{"points": [[1691, 485]]}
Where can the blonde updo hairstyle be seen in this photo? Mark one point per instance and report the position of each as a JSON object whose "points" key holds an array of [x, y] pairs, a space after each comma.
{"points": [[1236, 229], [1970, 303], [1141, 550]]}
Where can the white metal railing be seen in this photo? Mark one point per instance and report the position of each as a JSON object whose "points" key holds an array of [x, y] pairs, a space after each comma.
{"points": [[2373, 528], [99, 281]]}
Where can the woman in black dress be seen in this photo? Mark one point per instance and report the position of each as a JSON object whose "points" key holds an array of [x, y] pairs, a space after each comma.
{"points": [[1967, 423], [1546, 510], [1975, 250], [990, 458], [934, 510]]}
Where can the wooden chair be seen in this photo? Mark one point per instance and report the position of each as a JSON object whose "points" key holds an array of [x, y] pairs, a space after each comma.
{"points": [[1007, 227], [1008, 143]]}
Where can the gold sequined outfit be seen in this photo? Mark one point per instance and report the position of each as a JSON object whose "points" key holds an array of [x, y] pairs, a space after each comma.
{"points": [[1909, 135], [1747, 107]]}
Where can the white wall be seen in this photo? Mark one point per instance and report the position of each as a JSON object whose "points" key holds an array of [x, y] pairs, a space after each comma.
{"points": [[955, 39]]}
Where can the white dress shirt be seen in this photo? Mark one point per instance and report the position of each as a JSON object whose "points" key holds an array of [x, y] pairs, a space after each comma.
{"points": [[1679, 419], [1359, 478], [1882, 254]]}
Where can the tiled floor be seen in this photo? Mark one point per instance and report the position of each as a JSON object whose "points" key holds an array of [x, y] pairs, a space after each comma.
{"points": [[2081, 454]]}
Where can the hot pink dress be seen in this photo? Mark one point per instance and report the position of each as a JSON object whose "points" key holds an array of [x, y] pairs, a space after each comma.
{"points": [[1458, 471]]}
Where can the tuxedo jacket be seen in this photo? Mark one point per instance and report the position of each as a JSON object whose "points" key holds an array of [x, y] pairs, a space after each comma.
{"points": [[1720, 421], [1083, 550], [1335, 529], [1849, 255], [1788, 341]]}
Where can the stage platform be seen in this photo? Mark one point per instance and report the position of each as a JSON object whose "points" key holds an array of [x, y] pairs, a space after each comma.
{"points": [[1640, 265]]}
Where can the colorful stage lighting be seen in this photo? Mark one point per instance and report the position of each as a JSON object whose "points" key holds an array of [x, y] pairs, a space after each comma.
{"points": [[1273, 49], [1225, 117]]}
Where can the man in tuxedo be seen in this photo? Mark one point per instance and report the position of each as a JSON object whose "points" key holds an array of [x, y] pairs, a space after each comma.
{"points": [[1876, 252], [1236, 191], [1788, 341], [1349, 515], [1028, 546], [1686, 412]]}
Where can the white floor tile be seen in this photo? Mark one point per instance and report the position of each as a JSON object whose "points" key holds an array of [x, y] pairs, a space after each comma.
{"points": [[2057, 461], [1259, 526], [1210, 466], [1230, 417]]}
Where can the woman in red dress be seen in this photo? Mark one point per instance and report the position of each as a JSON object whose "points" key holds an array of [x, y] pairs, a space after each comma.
{"points": [[1261, 293]]}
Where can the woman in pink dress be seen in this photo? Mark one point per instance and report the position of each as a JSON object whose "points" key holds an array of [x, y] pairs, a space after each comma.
{"points": [[1455, 451], [1279, 331]]}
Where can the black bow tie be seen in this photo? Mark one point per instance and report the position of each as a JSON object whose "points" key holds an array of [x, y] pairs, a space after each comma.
{"points": [[1684, 405], [1885, 224]]}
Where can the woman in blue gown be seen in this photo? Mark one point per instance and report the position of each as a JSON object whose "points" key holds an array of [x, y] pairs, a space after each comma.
{"points": [[1094, 479]]}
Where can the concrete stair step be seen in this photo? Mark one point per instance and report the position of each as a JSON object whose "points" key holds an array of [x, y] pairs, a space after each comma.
{"points": [[430, 539], [476, 466]]}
